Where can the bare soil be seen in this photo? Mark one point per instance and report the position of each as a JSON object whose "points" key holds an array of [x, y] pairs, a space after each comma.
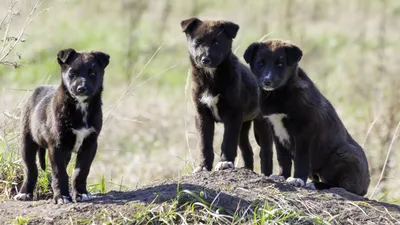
{"points": [[232, 190]]}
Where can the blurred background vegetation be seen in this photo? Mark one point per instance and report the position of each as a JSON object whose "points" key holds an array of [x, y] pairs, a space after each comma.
{"points": [[351, 51]]}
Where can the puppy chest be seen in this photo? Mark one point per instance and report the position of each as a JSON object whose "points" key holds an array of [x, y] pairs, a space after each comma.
{"points": [[211, 102], [280, 130], [80, 135]]}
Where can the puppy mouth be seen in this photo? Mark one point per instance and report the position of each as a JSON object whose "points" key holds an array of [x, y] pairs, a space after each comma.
{"points": [[265, 88]]}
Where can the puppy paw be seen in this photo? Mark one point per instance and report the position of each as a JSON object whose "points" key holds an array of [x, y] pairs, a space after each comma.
{"points": [[23, 197], [277, 177], [83, 197], [224, 165], [297, 182], [310, 185], [199, 169], [63, 200]]}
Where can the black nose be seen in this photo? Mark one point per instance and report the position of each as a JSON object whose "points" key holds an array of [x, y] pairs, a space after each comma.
{"points": [[81, 89], [206, 60], [267, 82]]}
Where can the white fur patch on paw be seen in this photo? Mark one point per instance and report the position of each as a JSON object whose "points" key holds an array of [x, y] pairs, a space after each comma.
{"points": [[23, 197], [84, 197], [199, 169], [224, 165], [297, 182], [310, 185], [63, 200], [277, 177]]}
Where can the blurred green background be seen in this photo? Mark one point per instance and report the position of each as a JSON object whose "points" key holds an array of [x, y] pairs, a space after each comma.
{"points": [[351, 52]]}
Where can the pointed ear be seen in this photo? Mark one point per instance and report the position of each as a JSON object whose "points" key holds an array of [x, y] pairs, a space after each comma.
{"points": [[64, 55], [102, 57], [293, 54], [250, 52], [230, 28], [189, 24]]}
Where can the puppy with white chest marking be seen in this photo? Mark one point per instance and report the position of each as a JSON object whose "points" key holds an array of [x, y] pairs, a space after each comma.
{"points": [[224, 90], [305, 122], [64, 119]]}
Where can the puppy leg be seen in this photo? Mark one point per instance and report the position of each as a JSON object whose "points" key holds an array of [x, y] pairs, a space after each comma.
{"points": [[301, 167], [245, 147], [84, 160], [232, 126], [59, 175], [284, 159], [263, 135], [28, 152], [205, 130]]}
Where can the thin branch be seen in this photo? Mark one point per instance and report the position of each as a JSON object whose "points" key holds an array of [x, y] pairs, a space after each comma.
{"points": [[387, 159]]}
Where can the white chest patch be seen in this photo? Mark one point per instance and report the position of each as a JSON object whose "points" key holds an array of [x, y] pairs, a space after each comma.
{"points": [[80, 135], [279, 128], [211, 102]]}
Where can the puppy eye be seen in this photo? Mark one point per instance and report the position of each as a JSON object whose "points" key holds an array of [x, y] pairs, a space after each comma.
{"points": [[197, 42], [280, 65], [92, 74], [216, 42], [260, 63]]}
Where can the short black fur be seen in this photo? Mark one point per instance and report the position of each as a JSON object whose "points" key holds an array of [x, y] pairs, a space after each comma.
{"points": [[62, 119], [321, 146], [224, 90]]}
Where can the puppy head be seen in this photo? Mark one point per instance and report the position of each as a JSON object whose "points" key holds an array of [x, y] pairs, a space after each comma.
{"points": [[273, 62], [209, 42], [82, 72]]}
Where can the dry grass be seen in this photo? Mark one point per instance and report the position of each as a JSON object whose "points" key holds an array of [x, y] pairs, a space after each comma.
{"points": [[351, 52]]}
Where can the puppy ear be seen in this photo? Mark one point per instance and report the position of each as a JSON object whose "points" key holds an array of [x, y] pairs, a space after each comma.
{"points": [[293, 54], [64, 55], [250, 52], [230, 28], [102, 57], [189, 24]]}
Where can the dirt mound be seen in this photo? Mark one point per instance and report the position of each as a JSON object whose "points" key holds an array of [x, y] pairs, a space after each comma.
{"points": [[238, 194]]}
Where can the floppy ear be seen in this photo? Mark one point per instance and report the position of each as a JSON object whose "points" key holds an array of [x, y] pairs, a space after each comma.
{"points": [[102, 58], [230, 28], [250, 52], [188, 25], [64, 55], [293, 54]]}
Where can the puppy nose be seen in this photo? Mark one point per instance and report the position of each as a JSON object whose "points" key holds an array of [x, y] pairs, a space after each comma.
{"points": [[267, 82], [206, 60], [81, 89]]}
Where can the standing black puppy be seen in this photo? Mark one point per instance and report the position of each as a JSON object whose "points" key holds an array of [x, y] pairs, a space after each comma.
{"points": [[64, 119], [305, 121], [224, 90]]}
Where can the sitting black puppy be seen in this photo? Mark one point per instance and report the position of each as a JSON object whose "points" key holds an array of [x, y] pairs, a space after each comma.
{"points": [[305, 122], [64, 119]]}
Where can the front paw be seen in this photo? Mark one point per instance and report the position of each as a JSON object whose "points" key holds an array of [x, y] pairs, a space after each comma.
{"points": [[82, 197], [297, 182], [200, 169], [23, 197], [224, 165], [311, 185], [277, 177], [61, 200]]}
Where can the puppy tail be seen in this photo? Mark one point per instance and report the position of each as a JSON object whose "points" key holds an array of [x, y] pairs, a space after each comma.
{"points": [[321, 186], [42, 158]]}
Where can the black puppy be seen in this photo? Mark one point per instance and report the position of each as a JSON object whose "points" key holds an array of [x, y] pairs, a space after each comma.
{"points": [[305, 121], [224, 90], [64, 119]]}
